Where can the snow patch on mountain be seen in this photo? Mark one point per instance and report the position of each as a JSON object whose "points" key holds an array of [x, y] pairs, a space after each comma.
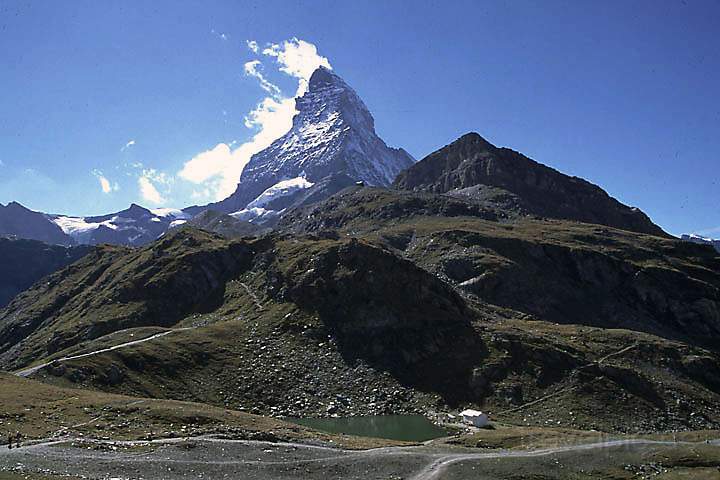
{"points": [[76, 226], [177, 223], [255, 214], [170, 212], [280, 189], [256, 210]]}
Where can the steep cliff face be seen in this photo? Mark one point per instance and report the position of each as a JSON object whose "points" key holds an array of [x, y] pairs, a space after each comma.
{"points": [[333, 135], [474, 168], [350, 285]]}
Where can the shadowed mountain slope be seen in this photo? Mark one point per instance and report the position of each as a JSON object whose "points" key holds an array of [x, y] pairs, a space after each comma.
{"points": [[23, 262]]}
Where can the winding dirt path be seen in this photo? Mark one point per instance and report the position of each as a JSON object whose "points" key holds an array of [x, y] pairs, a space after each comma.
{"points": [[29, 371]]}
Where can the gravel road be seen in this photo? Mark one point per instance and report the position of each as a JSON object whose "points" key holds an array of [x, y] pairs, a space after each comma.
{"points": [[210, 458]]}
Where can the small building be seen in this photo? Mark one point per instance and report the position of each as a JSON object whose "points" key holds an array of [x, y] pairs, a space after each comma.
{"points": [[474, 417]]}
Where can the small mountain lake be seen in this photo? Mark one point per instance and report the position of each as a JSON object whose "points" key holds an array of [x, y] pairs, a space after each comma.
{"points": [[410, 428]]}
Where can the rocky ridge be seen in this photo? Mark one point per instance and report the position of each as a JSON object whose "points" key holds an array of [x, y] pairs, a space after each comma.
{"points": [[471, 167]]}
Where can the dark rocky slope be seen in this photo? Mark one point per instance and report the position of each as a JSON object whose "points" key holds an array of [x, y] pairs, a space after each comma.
{"points": [[23, 262], [348, 286], [472, 167]]}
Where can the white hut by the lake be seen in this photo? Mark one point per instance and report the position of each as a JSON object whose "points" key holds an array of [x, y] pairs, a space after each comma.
{"points": [[474, 417]]}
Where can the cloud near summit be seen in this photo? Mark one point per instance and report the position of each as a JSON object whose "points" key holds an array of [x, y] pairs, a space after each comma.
{"points": [[217, 171]]}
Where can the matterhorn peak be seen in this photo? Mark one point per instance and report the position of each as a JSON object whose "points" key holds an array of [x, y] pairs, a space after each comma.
{"points": [[332, 137], [324, 76]]}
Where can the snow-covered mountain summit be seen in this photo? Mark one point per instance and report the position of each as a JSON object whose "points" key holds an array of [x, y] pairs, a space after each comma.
{"points": [[333, 135]]}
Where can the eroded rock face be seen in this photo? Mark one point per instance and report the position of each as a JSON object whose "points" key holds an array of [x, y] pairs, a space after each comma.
{"points": [[472, 167]]}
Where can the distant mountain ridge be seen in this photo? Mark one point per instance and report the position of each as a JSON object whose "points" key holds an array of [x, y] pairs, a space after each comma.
{"points": [[471, 167], [133, 226], [701, 240]]}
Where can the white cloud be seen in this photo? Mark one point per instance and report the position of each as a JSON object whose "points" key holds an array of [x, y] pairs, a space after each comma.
{"points": [[251, 70], [218, 169], [2, 164], [297, 58], [158, 177], [105, 184], [149, 192], [128, 145]]}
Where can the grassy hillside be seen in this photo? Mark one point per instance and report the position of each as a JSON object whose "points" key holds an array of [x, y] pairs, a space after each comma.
{"points": [[388, 302], [40, 411]]}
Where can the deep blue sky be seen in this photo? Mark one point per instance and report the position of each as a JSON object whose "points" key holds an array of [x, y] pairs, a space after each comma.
{"points": [[622, 93]]}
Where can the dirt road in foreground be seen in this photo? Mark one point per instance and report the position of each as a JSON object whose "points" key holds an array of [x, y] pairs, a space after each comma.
{"points": [[210, 458]]}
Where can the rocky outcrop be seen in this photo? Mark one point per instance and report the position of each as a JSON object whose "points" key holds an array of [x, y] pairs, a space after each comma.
{"points": [[583, 283]]}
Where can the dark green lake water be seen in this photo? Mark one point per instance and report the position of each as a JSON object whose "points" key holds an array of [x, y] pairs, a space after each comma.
{"points": [[411, 428]]}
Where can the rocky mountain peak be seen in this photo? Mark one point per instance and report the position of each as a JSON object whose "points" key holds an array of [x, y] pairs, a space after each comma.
{"points": [[473, 168], [332, 135], [324, 76]]}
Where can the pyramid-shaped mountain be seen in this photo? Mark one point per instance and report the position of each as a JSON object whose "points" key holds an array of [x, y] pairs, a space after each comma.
{"points": [[332, 143]]}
